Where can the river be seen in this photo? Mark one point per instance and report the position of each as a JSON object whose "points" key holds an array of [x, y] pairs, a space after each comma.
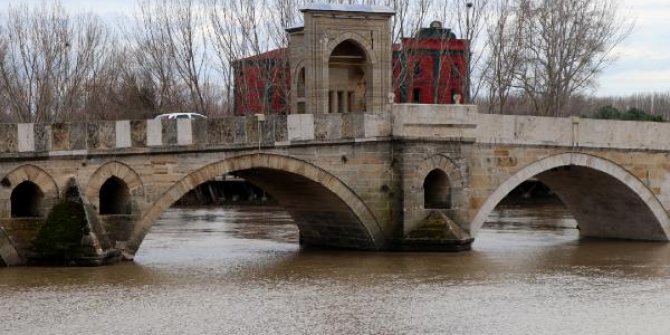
{"points": [[241, 271]]}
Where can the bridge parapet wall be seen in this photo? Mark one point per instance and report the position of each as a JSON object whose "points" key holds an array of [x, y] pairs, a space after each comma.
{"points": [[435, 122], [464, 123], [59, 139], [572, 132]]}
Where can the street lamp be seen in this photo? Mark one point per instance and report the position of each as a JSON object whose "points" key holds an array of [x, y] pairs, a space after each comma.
{"points": [[260, 118], [468, 7]]}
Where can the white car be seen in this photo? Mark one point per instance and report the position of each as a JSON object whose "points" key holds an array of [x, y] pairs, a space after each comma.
{"points": [[174, 116]]}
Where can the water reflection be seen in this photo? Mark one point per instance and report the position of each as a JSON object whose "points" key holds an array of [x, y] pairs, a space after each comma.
{"points": [[240, 271]]}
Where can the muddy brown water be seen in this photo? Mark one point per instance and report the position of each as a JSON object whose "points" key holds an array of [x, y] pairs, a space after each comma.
{"points": [[241, 271]]}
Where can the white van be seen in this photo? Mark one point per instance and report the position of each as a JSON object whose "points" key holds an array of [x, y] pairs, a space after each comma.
{"points": [[174, 116]]}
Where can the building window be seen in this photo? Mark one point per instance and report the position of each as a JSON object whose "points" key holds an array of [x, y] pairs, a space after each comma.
{"points": [[301, 83], [417, 69], [417, 95]]}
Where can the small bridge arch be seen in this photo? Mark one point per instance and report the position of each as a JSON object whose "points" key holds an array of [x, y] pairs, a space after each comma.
{"points": [[327, 212], [118, 173], [32, 179], [606, 200]]}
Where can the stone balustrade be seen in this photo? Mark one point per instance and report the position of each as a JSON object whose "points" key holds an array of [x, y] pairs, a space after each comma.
{"points": [[241, 131], [407, 121]]}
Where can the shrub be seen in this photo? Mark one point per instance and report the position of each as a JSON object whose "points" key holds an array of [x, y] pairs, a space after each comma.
{"points": [[632, 114], [59, 240]]}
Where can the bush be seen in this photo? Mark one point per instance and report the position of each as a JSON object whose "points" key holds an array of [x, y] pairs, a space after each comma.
{"points": [[632, 114], [59, 240], [607, 113]]}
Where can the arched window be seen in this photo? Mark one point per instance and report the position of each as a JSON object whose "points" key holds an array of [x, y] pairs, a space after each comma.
{"points": [[114, 197], [301, 83], [436, 190], [26, 200], [348, 67]]}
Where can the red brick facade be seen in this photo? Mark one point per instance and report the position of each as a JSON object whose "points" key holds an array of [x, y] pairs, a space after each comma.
{"points": [[429, 68]]}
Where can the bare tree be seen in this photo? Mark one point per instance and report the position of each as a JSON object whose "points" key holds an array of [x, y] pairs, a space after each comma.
{"points": [[170, 50], [504, 40], [48, 60], [566, 44]]}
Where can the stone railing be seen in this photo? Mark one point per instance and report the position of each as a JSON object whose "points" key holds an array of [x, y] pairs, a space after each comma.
{"points": [[464, 123], [17, 140], [407, 121], [573, 132]]}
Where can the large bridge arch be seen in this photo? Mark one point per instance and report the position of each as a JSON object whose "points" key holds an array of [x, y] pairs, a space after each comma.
{"points": [[327, 211], [606, 200]]}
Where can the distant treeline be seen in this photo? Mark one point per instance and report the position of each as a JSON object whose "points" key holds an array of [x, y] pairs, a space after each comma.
{"points": [[637, 107], [179, 55]]}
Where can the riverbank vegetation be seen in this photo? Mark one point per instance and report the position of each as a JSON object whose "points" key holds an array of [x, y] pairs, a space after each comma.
{"points": [[535, 57]]}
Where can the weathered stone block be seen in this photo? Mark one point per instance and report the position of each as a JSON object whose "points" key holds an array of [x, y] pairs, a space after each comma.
{"points": [[8, 138], [169, 132], [328, 126], [154, 132], [42, 135], [241, 130], [26, 137], [60, 137], [138, 133], [281, 128], [353, 125], [251, 129], [300, 127], [77, 136], [268, 129], [199, 131], [101, 135], [184, 132]]}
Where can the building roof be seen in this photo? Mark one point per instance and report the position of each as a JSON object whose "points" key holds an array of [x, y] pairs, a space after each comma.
{"points": [[347, 8], [296, 28], [272, 54]]}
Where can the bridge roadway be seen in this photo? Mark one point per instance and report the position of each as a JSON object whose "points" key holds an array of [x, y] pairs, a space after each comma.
{"points": [[416, 177]]}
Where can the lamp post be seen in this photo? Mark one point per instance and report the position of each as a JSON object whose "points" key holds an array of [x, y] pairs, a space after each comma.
{"points": [[260, 119], [468, 7]]}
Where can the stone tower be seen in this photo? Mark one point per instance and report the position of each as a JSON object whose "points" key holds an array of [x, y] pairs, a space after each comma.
{"points": [[340, 59]]}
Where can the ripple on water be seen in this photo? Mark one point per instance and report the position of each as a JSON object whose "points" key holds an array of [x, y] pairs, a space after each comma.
{"points": [[240, 271]]}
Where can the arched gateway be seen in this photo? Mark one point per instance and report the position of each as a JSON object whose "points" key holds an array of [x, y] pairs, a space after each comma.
{"points": [[606, 200], [327, 212]]}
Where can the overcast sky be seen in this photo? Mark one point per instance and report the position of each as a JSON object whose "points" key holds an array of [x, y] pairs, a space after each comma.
{"points": [[644, 58]]}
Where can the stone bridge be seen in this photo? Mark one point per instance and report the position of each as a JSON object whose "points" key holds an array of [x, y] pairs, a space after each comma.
{"points": [[416, 177]]}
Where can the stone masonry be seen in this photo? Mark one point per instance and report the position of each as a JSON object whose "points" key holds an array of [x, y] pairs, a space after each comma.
{"points": [[352, 169], [349, 180]]}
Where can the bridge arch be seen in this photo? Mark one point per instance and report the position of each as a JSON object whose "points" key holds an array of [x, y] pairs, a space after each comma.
{"points": [[326, 211], [435, 166], [118, 174], [30, 178], [606, 200]]}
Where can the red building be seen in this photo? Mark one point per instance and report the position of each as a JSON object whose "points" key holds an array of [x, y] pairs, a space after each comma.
{"points": [[262, 83], [429, 68]]}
